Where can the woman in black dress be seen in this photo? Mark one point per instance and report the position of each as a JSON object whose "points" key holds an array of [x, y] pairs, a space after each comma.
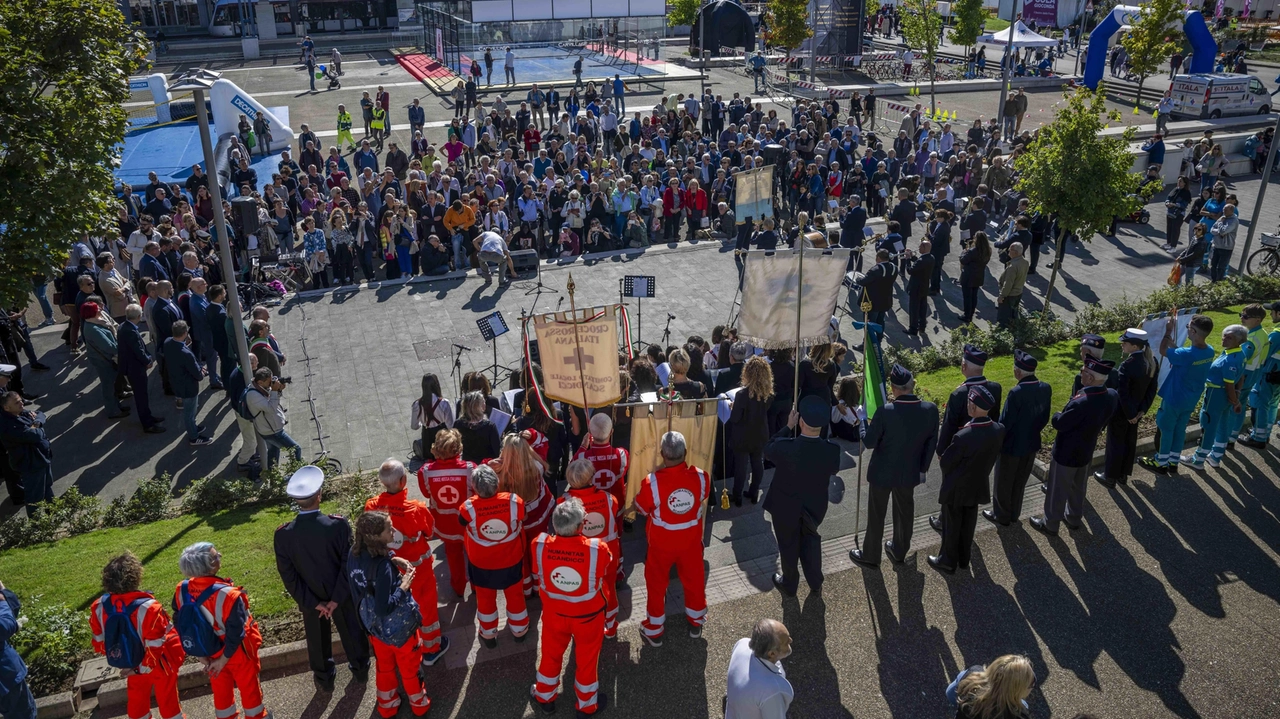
{"points": [[679, 380], [431, 412], [479, 435], [818, 372], [749, 427], [782, 363], [973, 271]]}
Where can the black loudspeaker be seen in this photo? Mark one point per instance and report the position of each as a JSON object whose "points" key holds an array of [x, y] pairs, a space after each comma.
{"points": [[244, 213], [525, 261]]}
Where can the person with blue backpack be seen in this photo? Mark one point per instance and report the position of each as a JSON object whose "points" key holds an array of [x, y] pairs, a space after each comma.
{"points": [[213, 619], [16, 699], [133, 631], [381, 587]]}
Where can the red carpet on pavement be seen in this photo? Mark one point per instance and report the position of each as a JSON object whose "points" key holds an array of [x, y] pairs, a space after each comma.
{"points": [[425, 68]]}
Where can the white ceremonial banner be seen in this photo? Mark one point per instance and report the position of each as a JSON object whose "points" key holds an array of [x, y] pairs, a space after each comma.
{"points": [[753, 193], [776, 311], [1154, 325]]}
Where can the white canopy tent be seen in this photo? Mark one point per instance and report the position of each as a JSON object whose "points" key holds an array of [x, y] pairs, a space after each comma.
{"points": [[1022, 35]]}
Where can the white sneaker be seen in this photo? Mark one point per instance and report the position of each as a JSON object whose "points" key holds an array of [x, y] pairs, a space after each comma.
{"points": [[1212, 462], [649, 640], [1192, 461]]}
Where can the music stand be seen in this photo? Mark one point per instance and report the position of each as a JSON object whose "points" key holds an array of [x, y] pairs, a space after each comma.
{"points": [[493, 326], [639, 287]]}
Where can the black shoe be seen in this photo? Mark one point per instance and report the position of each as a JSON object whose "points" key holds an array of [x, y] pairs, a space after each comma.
{"points": [[360, 674], [546, 707], [1042, 526], [1255, 443], [118, 415], [490, 642], [777, 582], [602, 703], [153, 429], [888, 550], [1074, 527], [990, 516], [936, 524], [519, 638], [859, 559], [323, 683], [936, 562], [39, 366], [737, 501], [1104, 480], [755, 497], [1044, 488], [31, 397]]}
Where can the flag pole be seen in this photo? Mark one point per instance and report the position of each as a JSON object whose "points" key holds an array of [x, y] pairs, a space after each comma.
{"points": [[577, 347], [867, 356], [795, 398]]}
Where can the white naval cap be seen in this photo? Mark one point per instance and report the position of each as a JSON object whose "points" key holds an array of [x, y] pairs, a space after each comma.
{"points": [[7, 370], [1135, 335], [305, 482]]}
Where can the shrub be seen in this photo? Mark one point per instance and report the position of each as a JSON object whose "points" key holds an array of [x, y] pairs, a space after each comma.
{"points": [[151, 501], [65, 516], [351, 490], [215, 494], [52, 642]]}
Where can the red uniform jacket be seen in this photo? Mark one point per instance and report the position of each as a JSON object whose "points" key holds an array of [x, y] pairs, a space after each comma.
{"points": [[494, 530], [674, 500], [571, 572], [412, 523], [163, 645], [447, 483]]}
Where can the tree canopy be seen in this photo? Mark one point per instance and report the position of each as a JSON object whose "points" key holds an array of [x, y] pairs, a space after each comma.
{"points": [[790, 23], [968, 16], [682, 12], [1153, 36], [922, 29], [64, 76]]}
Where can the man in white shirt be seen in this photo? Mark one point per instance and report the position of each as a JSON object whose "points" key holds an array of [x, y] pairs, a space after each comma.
{"points": [[757, 684], [509, 65], [139, 238], [492, 248]]}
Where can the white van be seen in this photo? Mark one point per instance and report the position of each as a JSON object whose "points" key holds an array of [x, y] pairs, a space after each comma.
{"points": [[1218, 94]]}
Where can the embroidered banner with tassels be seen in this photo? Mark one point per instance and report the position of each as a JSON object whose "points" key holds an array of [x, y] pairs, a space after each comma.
{"points": [[776, 312]]}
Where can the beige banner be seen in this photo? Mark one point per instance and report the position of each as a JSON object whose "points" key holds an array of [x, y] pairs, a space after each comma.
{"points": [[696, 420], [573, 353]]}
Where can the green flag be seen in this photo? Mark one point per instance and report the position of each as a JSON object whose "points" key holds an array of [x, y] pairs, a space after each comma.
{"points": [[872, 373]]}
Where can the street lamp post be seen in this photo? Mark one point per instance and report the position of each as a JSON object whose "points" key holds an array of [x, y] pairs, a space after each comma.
{"points": [[1257, 205], [198, 83], [1004, 65]]}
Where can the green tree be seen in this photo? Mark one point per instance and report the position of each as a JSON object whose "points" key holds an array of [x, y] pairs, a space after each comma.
{"points": [[922, 30], [64, 69], [1078, 175], [1153, 36], [682, 12], [790, 23], [968, 17]]}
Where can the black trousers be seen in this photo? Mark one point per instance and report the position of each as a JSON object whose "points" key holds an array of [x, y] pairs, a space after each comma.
{"points": [[745, 463], [798, 547], [138, 378], [970, 303], [918, 309], [1122, 443], [1012, 474], [958, 525], [1172, 230], [1035, 255], [343, 265], [904, 511], [320, 638]]}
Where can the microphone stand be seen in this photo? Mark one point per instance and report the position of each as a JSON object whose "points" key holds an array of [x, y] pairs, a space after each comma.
{"points": [[457, 369], [666, 332]]}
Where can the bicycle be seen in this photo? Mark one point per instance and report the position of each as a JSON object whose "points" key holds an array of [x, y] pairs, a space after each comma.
{"points": [[1266, 259]]}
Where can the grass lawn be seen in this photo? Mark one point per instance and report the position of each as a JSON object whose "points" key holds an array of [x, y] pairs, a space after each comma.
{"points": [[1059, 364], [995, 24], [68, 571]]}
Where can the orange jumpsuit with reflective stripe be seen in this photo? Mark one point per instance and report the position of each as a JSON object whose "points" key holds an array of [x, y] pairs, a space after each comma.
{"points": [[494, 535], [228, 611], [447, 484], [571, 572], [674, 500], [412, 524], [164, 655], [602, 523]]}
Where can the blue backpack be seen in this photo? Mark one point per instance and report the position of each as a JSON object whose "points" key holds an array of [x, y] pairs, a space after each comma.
{"points": [[120, 633], [199, 638], [242, 404]]}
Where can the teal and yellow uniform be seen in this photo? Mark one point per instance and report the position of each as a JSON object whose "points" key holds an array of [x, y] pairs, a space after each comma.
{"points": [[1256, 351], [1265, 397], [1216, 411], [1179, 394]]}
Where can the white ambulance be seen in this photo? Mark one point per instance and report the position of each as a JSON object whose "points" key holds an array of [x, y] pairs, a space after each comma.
{"points": [[1218, 94]]}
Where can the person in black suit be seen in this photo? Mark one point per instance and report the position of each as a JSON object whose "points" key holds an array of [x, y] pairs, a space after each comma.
{"points": [[23, 435], [956, 414], [134, 363], [904, 213], [901, 438], [797, 498], [853, 222], [1025, 414], [732, 375], [151, 264], [940, 241], [1135, 384], [1078, 425], [749, 427], [185, 373], [216, 318], [163, 315], [966, 465], [919, 273], [1090, 346], [311, 556], [877, 284], [782, 365]]}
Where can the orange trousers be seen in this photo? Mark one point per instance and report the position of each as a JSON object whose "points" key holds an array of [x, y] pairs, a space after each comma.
{"points": [[423, 590], [165, 686], [487, 611], [587, 634], [407, 659], [241, 672], [657, 575]]}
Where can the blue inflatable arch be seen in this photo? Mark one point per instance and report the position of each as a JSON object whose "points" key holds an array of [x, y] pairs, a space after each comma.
{"points": [[1204, 49]]}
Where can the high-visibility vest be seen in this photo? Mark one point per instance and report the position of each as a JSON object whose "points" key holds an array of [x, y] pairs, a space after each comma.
{"points": [[570, 572], [1261, 349], [447, 482], [379, 118], [674, 500], [411, 524], [344, 121], [602, 513], [494, 533], [217, 608]]}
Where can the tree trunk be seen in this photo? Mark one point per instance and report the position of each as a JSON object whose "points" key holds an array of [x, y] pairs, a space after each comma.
{"points": [[1059, 253], [1137, 102], [933, 77]]}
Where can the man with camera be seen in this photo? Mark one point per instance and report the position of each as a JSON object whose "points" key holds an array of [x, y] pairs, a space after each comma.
{"points": [[263, 403]]}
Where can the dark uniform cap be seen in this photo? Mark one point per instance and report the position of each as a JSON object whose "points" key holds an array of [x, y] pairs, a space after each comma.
{"points": [[1024, 361], [1095, 341], [981, 397], [815, 411], [900, 376], [1099, 366], [974, 355]]}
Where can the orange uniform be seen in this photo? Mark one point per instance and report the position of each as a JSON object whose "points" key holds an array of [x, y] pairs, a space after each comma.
{"points": [[602, 523], [412, 526], [228, 608], [494, 537], [572, 573], [611, 468], [537, 520], [447, 484], [674, 500], [158, 671]]}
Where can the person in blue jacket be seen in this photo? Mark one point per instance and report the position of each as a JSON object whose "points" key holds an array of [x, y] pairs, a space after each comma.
{"points": [[1221, 399], [1265, 397], [1181, 389], [16, 700]]}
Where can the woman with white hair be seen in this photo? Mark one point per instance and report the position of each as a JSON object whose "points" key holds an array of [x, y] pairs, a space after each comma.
{"points": [[493, 531], [213, 619], [601, 523]]}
